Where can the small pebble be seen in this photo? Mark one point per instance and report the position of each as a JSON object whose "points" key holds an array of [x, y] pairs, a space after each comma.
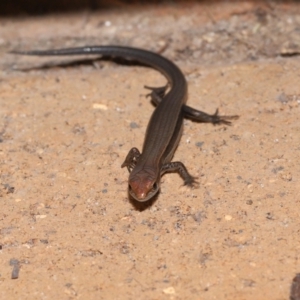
{"points": [[169, 290], [228, 218], [41, 216], [100, 106]]}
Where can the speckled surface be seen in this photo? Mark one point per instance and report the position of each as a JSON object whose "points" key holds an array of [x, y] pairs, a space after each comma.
{"points": [[66, 221]]}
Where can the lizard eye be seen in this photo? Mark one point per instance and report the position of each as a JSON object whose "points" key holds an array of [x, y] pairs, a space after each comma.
{"points": [[155, 187]]}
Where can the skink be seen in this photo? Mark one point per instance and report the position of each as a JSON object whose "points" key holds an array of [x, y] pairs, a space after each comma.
{"points": [[165, 126]]}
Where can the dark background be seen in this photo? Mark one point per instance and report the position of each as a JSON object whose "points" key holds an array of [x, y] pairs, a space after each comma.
{"points": [[32, 7], [38, 7]]}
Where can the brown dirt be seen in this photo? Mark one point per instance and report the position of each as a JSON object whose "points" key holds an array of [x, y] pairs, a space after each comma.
{"points": [[66, 221]]}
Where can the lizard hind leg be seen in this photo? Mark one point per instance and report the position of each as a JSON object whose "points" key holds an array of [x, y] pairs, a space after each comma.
{"points": [[157, 93]]}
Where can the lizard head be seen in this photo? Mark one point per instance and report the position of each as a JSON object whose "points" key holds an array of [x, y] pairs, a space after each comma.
{"points": [[143, 185]]}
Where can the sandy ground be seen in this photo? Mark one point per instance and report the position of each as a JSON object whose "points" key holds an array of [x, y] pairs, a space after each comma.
{"points": [[68, 229]]}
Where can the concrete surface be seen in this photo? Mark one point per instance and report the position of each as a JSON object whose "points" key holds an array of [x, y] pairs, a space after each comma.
{"points": [[67, 225]]}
